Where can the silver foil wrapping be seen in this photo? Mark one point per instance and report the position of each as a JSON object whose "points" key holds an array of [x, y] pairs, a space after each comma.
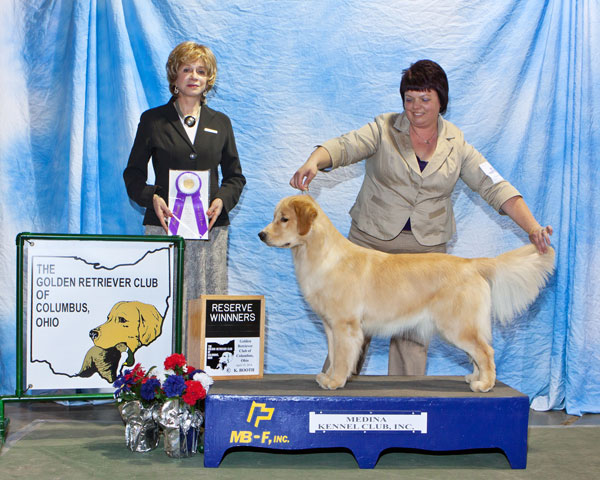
{"points": [[181, 428], [141, 429]]}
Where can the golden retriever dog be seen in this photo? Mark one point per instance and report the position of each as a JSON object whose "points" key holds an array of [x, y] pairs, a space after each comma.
{"points": [[129, 326], [358, 291]]}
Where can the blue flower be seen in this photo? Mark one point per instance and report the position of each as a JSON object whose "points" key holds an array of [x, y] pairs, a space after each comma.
{"points": [[148, 390], [174, 386], [123, 383]]}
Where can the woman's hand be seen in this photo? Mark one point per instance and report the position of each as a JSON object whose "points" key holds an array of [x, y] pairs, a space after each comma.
{"points": [[540, 237], [517, 209], [215, 209], [318, 160], [162, 211]]}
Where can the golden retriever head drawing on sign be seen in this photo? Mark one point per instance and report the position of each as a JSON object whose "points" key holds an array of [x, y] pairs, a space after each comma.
{"points": [[129, 326], [134, 323]]}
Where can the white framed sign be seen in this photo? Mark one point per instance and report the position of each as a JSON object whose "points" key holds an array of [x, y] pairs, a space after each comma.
{"points": [[93, 308]]}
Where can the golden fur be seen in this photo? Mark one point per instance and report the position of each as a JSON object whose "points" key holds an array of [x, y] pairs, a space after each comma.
{"points": [[358, 291]]}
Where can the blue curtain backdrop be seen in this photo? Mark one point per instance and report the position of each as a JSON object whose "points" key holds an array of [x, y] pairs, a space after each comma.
{"points": [[76, 75]]}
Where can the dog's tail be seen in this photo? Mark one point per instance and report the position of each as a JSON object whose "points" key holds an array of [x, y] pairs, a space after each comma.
{"points": [[516, 278]]}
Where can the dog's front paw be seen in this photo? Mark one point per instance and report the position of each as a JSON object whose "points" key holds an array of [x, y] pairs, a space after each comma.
{"points": [[471, 377], [328, 383]]}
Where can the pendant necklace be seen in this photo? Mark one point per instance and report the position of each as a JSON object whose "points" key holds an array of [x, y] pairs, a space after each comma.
{"points": [[421, 138], [189, 120]]}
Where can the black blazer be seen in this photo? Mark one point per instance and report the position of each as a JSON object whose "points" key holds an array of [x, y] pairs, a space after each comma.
{"points": [[161, 136]]}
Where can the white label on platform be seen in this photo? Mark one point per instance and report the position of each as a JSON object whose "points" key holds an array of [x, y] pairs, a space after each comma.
{"points": [[367, 422]]}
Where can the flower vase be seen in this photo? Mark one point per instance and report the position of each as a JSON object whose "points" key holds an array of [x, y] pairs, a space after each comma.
{"points": [[141, 429], [181, 427]]}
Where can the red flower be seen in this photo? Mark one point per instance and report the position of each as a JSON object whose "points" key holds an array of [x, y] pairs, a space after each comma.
{"points": [[194, 391], [137, 372], [175, 360]]}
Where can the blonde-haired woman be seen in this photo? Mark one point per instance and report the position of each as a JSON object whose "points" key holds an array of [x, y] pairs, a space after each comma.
{"points": [[185, 134]]}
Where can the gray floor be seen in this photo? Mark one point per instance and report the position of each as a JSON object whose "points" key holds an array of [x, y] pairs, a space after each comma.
{"points": [[84, 448]]}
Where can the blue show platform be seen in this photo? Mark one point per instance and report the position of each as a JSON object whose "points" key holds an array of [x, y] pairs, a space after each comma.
{"points": [[370, 415]]}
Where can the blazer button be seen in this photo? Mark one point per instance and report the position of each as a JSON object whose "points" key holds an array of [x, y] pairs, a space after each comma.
{"points": [[193, 156]]}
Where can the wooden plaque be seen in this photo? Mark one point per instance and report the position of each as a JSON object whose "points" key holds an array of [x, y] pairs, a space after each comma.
{"points": [[225, 335]]}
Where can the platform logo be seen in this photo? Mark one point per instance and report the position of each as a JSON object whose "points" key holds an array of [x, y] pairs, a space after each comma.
{"points": [[259, 411]]}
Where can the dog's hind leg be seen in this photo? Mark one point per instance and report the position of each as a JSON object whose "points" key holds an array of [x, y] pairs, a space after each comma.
{"points": [[467, 325], [483, 357], [344, 350], [471, 341]]}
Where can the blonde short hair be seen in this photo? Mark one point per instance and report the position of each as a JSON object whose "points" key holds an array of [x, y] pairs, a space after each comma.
{"points": [[188, 53]]}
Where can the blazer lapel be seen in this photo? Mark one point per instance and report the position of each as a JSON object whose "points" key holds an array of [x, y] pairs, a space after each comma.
{"points": [[206, 116], [402, 138], [443, 149], [175, 121]]}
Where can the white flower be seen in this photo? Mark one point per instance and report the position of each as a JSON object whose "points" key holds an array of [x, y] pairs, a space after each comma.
{"points": [[160, 373], [204, 378]]}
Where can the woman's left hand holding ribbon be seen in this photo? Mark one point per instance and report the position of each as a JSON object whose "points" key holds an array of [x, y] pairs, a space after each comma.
{"points": [[216, 207], [162, 211]]}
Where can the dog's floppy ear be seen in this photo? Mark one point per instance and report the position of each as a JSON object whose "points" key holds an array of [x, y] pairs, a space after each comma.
{"points": [[305, 215], [151, 321]]}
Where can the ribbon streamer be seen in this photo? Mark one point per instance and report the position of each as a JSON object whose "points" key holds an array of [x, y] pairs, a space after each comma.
{"points": [[188, 184]]}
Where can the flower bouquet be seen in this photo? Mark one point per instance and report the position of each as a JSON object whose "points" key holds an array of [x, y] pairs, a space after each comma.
{"points": [[135, 394], [181, 414], [174, 396]]}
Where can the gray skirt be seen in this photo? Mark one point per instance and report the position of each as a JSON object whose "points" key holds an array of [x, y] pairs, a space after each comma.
{"points": [[204, 265]]}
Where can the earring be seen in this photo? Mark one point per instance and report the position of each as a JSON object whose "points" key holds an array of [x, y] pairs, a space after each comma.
{"points": [[175, 90]]}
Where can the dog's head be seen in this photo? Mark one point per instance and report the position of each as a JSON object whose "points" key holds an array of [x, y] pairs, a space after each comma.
{"points": [[132, 323], [292, 222]]}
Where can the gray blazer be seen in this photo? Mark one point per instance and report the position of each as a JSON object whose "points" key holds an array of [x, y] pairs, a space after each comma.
{"points": [[394, 189]]}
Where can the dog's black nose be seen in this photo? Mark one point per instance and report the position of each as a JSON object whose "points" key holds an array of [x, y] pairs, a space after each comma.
{"points": [[93, 334], [262, 236]]}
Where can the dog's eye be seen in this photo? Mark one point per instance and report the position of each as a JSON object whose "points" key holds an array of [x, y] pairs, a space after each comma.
{"points": [[122, 320], [284, 219]]}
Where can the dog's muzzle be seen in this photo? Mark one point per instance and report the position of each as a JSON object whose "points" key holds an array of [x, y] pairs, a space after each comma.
{"points": [[262, 236]]}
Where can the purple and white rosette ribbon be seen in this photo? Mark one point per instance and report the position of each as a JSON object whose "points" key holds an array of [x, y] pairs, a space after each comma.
{"points": [[188, 184]]}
